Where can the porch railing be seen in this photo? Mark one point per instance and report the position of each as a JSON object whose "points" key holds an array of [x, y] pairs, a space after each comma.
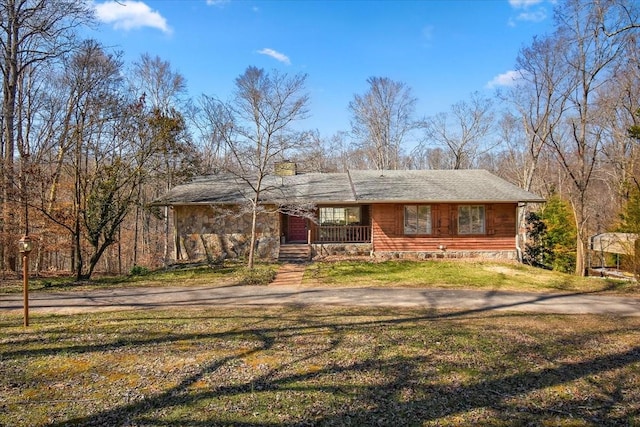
{"points": [[341, 234]]}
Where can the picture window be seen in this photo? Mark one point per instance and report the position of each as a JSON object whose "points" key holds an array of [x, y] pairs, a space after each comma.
{"points": [[417, 219], [471, 219]]}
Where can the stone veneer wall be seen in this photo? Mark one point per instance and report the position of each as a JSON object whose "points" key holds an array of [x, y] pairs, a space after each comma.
{"points": [[503, 255], [350, 249], [213, 233], [364, 249]]}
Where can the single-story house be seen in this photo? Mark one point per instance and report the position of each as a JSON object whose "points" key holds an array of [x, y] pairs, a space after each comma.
{"points": [[390, 213]]}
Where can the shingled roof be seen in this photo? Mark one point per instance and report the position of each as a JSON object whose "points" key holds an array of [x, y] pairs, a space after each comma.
{"points": [[358, 186], [449, 186]]}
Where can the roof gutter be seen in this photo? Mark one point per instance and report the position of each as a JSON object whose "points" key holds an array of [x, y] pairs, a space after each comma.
{"points": [[350, 202]]}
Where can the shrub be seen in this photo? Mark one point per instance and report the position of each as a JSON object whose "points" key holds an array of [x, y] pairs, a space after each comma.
{"points": [[138, 270], [259, 275], [536, 251]]}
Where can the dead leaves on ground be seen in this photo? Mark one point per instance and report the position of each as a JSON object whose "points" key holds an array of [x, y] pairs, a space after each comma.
{"points": [[319, 366]]}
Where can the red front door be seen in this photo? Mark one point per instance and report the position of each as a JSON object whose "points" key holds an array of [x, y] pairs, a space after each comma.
{"points": [[297, 229]]}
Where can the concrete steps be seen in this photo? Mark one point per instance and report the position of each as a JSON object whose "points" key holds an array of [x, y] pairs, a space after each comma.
{"points": [[294, 253]]}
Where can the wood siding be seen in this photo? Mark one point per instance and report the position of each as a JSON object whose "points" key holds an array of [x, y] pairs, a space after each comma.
{"points": [[387, 221]]}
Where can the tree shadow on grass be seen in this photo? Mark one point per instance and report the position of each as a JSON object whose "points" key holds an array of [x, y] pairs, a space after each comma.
{"points": [[376, 388], [384, 403], [492, 302]]}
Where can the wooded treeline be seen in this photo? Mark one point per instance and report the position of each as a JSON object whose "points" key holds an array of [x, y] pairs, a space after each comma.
{"points": [[88, 141]]}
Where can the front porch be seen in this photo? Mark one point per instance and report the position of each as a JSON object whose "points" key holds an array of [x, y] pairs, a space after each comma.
{"points": [[294, 232], [340, 234], [331, 224]]}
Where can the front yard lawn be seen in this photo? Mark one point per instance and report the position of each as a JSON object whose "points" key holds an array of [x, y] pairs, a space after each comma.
{"points": [[230, 274], [471, 274], [319, 366], [459, 274]]}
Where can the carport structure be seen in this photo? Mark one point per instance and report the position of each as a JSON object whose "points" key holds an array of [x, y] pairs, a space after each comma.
{"points": [[613, 243]]}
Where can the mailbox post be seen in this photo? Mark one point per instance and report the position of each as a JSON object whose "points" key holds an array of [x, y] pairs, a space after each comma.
{"points": [[25, 245]]}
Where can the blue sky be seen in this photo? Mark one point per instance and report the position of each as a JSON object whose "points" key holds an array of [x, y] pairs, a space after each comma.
{"points": [[444, 50]]}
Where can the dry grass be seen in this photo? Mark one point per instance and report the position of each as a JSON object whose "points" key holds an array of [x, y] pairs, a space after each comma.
{"points": [[459, 274], [319, 366], [364, 272], [187, 275]]}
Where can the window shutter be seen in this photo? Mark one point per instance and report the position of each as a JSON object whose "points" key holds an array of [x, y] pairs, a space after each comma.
{"points": [[453, 219], [435, 220], [490, 220]]}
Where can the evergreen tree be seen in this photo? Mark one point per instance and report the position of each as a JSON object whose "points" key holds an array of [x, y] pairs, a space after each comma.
{"points": [[560, 236], [552, 234]]}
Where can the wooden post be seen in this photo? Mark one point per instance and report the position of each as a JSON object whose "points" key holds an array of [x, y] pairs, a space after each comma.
{"points": [[24, 246], [25, 290]]}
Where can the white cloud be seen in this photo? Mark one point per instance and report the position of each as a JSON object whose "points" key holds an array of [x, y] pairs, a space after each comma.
{"points": [[130, 14], [523, 4], [508, 79], [219, 3], [529, 11], [275, 55], [534, 16]]}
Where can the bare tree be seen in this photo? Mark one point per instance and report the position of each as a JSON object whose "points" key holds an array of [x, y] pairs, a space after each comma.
{"points": [[160, 87], [537, 102], [426, 157], [97, 145], [256, 129], [591, 56], [316, 156], [381, 119], [618, 100], [623, 17], [203, 117], [96, 77], [462, 132], [537, 108], [31, 33], [86, 79]]}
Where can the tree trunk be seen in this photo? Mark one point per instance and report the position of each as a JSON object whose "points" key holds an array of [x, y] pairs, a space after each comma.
{"points": [[252, 244], [580, 255], [135, 231], [165, 256], [77, 250]]}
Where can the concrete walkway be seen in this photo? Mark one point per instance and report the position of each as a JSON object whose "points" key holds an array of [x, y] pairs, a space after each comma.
{"points": [[289, 274], [467, 301]]}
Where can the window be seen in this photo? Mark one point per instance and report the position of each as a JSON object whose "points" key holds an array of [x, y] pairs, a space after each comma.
{"points": [[417, 219], [471, 219], [340, 216]]}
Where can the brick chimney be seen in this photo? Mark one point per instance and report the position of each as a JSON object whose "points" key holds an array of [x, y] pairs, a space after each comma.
{"points": [[286, 168]]}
